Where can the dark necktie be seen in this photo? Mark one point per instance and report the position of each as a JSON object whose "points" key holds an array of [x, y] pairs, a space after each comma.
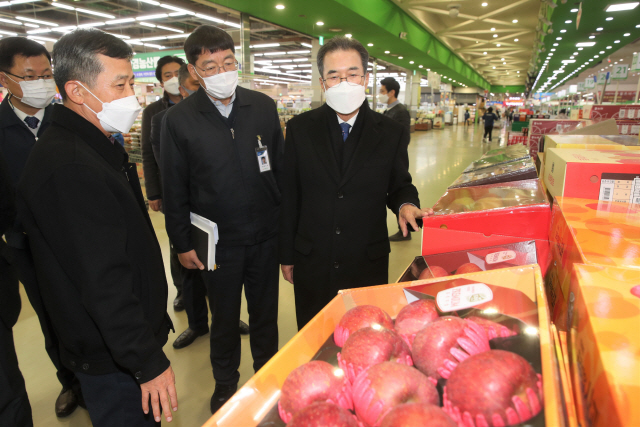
{"points": [[31, 121], [345, 130]]}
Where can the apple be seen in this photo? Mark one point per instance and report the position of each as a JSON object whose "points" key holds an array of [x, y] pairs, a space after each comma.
{"points": [[433, 271], [488, 203], [315, 381], [494, 388], [323, 414], [369, 346], [493, 329], [414, 317], [417, 415], [381, 387], [360, 317], [442, 344], [468, 267]]}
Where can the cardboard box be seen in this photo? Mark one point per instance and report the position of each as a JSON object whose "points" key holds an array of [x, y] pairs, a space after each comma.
{"points": [[619, 112], [498, 157], [604, 345], [568, 401], [591, 142], [608, 175], [506, 172], [585, 231], [628, 127], [538, 128], [517, 292]]}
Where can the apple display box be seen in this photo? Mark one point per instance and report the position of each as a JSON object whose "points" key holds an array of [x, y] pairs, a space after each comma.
{"points": [[585, 231], [513, 297], [559, 339], [539, 128], [489, 215], [499, 156], [591, 142], [604, 345], [607, 175], [505, 172]]}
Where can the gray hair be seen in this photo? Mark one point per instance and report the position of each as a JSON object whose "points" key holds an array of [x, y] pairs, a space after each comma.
{"points": [[342, 43], [75, 56]]}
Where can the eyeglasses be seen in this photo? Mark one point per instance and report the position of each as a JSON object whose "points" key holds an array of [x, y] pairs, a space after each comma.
{"points": [[352, 79], [31, 78], [229, 65]]}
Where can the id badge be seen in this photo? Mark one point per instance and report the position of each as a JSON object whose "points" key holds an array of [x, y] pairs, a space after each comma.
{"points": [[263, 159]]}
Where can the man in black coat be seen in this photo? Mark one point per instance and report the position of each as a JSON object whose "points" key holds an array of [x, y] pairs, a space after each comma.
{"points": [[211, 148], [344, 165], [96, 255], [25, 70]]}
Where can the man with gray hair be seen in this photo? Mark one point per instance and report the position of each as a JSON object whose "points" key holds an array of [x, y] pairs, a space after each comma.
{"points": [[95, 251], [343, 165]]}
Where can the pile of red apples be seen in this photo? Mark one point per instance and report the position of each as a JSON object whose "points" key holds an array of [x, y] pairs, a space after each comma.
{"points": [[389, 373]]}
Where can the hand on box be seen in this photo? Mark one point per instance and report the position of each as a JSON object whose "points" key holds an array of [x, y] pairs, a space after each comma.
{"points": [[287, 273], [190, 260], [408, 215]]}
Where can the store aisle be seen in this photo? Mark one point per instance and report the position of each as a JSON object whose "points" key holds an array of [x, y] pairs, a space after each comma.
{"points": [[437, 157]]}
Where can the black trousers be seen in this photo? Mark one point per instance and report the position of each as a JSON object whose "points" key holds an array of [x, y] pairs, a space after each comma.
{"points": [[21, 260], [115, 400], [177, 270], [194, 293], [15, 410], [487, 132], [256, 267]]}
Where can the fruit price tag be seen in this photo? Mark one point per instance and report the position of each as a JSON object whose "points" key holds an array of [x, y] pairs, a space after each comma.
{"points": [[501, 256], [462, 297]]}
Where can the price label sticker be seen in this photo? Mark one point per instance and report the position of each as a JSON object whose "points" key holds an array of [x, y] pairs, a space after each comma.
{"points": [[501, 256], [462, 297]]}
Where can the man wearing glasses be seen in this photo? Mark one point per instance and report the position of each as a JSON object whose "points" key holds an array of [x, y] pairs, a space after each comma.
{"points": [[211, 147], [25, 70], [344, 164]]}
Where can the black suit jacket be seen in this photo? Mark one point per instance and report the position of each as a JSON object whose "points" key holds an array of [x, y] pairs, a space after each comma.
{"points": [[333, 227], [96, 255], [150, 165], [210, 167], [400, 114], [9, 292]]}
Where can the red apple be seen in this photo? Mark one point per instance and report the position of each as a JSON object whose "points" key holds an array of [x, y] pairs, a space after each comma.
{"points": [[494, 388], [417, 415], [468, 267], [443, 343], [414, 317], [493, 329], [360, 317], [323, 415], [316, 381], [369, 346], [433, 271], [378, 389]]}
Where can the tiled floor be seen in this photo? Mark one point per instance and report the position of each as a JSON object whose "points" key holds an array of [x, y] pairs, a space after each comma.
{"points": [[437, 158]]}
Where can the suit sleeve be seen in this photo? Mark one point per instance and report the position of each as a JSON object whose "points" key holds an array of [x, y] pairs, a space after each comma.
{"points": [[7, 198], [156, 128], [405, 120], [278, 151], [290, 195], [401, 190], [175, 180], [149, 164], [83, 223]]}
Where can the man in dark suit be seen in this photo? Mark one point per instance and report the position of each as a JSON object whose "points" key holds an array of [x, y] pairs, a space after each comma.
{"points": [[25, 70], [344, 164], [209, 146], [167, 74], [96, 255]]}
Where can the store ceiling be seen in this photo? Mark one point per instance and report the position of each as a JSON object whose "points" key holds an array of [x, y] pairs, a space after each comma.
{"points": [[608, 31]]}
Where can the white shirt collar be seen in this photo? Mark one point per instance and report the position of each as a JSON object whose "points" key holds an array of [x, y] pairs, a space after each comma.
{"points": [[22, 115], [351, 121]]}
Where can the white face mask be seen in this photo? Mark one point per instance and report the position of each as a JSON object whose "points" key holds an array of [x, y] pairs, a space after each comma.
{"points": [[345, 98], [222, 85], [172, 86], [37, 93], [383, 98], [117, 115]]}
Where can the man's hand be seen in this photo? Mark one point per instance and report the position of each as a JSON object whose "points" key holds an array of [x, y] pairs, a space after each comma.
{"points": [[190, 260], [160, 390], [287, 273], [408, 214], [155, 205]]}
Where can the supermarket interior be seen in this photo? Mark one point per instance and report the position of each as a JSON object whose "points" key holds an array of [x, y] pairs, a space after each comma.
{"points": [[516, 302]]}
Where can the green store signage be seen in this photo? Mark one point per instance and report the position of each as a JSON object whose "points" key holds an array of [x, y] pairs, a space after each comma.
{"points": [[144, 64]]}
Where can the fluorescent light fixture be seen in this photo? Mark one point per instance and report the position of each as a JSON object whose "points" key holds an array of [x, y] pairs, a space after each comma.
{"points": [[592, 37], [150, 39], [369, 44], [156, 16], [134, 41], [153, 2], [298, 52], [62, 6], [563, 31], [319, 23], [148, 24], [306, 45], [91, 24], [515, 21], [626, 34], [300, 60], [177, 9], [20, 2], [555, 44], [348, 35], [209, 18], [610, 18], [387, 52], [275, 53], [568, 61], [8, 33], [264, 45], [37, 21], [26, 24], [120, 36], [233, 24], [558, 38], [410, 62], [568, 21], [91, 12], [585, 44], [515, 40], [574, 10], [120, 21], [279, 6], [157, 46], [283, 60], [40, 31], [46, 39], [10, 21], [621, 6], [616, 41], [599, 29], [175, 30], [177, 36]]}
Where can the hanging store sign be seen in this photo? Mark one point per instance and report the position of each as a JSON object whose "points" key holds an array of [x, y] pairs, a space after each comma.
{"points": [[590, 83], [144, 64], [620, 72]]}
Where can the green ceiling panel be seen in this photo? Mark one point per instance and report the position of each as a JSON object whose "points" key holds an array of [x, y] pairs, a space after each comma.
{"points": [[370, 21], [508, 89]]}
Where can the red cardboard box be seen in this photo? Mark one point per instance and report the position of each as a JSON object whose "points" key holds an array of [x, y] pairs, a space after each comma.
{"points": [[538, 128], [608, 175], [620, 112], [628, 127]]}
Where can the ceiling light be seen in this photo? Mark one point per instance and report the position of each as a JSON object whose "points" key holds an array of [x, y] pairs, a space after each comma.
{"points": [[63, 6], [626, 34], [120, 21], [494, 68], [596, 56], [495, 35], [555, 44], [157, 46], [153, 2], [40, 31], [558, 38], [232, 24], [498, 44], [419, 66], [608, 47], [484, 53], [400, 57], [298, 52], [599, 29], [493, 29], [209, 18], [572, 57], [177, 9], [553, 50], [8, 33], [306, 45], [485, 4], [580, 48], [319, 23], [279, 6], [348, 36], [609, 19], [91, 12], [37, 21], [10, 21], [148, 24], [515, 40], [47, 39], [592, 37], [585, 44], [150, 39], [156, 16], [621, 6], [370, 44], [265, 45], [170, 29], [617, 41], [121, 36], [515, 21], [387, 52]]}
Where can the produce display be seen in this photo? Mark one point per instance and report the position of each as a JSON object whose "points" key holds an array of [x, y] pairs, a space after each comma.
{"points": [[360, 317], [498, 157], [417, 415], [506, 172]]}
